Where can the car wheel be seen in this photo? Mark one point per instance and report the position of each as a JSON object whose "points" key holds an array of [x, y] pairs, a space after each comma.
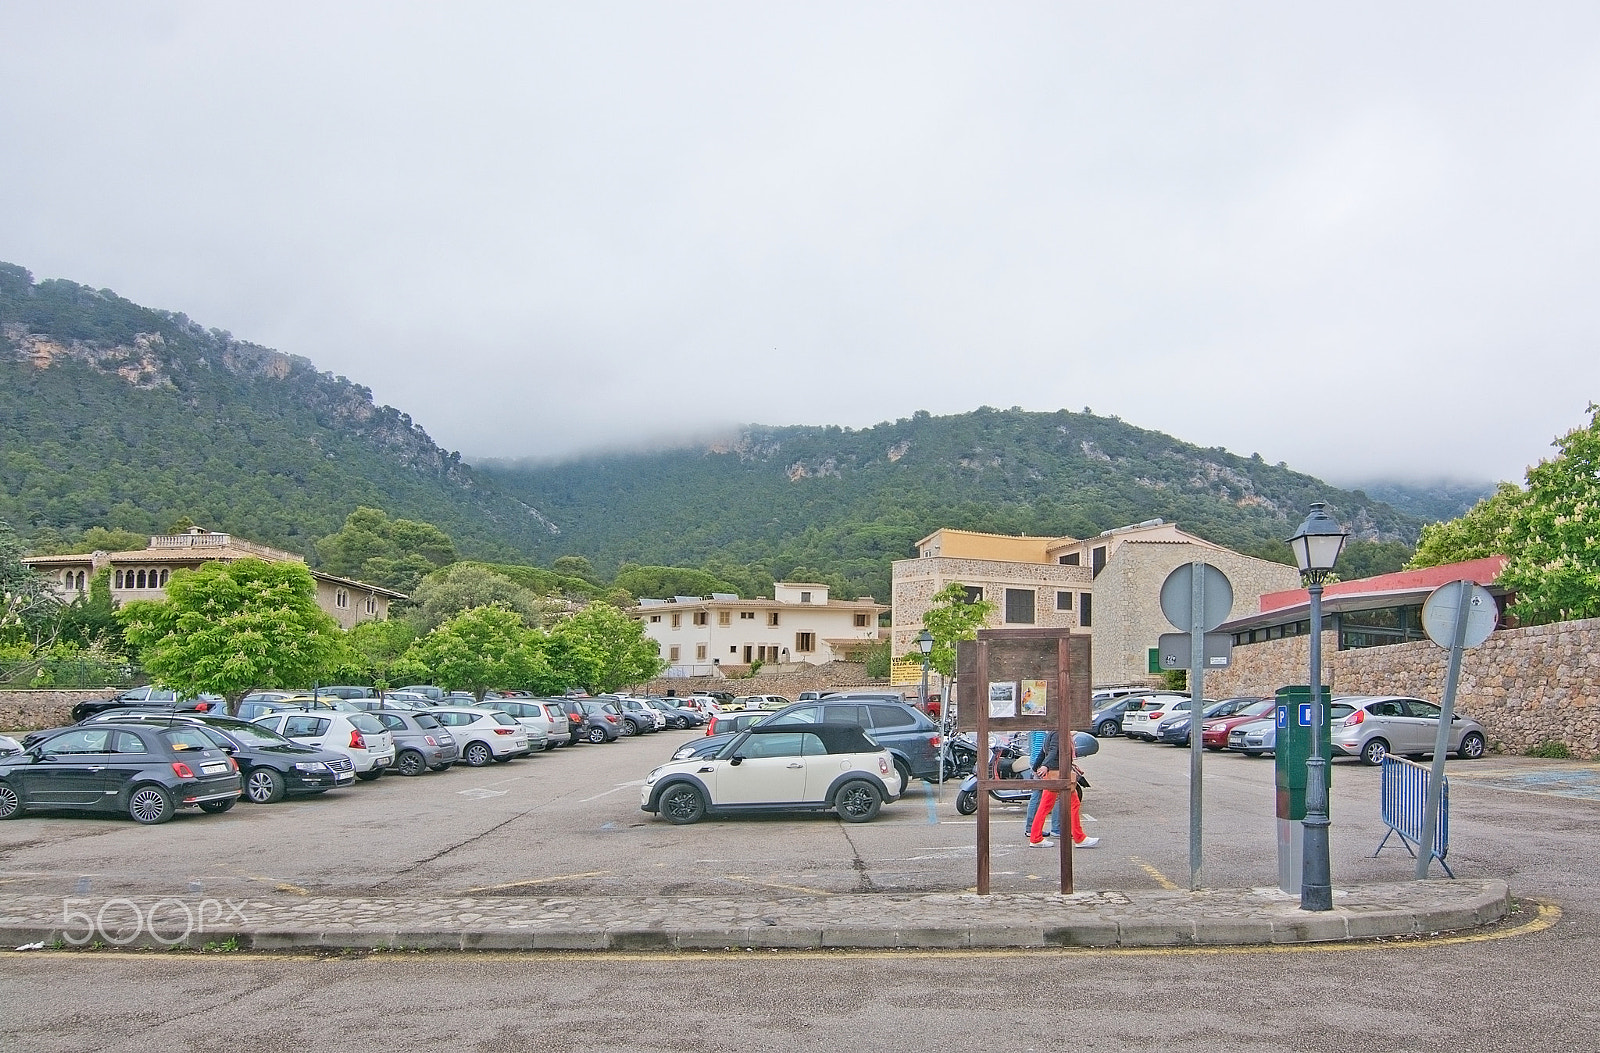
{"points": [[1374, 752], [967, 802], [1107, 729], [629, 728], [905, 775], [410, 763], [1471, 747], [263, 786], [597, 734], [477, 754], [218, 807], [150, 804], [858, 801], [10, 803], [682, 804]]}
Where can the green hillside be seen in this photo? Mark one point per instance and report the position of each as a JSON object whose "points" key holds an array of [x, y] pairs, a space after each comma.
{"points": [[115, 415], [840, 504]]}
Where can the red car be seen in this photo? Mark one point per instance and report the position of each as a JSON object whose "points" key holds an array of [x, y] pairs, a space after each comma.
{"points": [[1214, 732]]}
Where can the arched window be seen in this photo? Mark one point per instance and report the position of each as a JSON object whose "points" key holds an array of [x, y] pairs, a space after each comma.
{"points": [[141, 579], [341, 598], [81, 580], [163, 579], [119, 583]]}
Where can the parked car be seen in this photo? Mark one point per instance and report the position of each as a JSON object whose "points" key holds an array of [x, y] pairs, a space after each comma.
{"points": [[758, 702], [428, 691], [602, 722], [146, 698], [147, 771], [357, 735], [1145, 712], [483, 735], [533, 718], [734, 721], [908, 734], [9, 745], [638, 718], [572, 713], [1108, 716], [421, 743], [1378, 725], [294, 704], [782, 767], [676, 716], [348, 691], [1255, 737], [1214, 732], [271, 767]]}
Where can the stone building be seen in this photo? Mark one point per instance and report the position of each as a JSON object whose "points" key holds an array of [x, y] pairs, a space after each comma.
{"points": [[1108, 585], [142, 574]]}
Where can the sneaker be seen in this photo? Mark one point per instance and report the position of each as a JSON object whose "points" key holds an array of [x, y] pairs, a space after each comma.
{"points": [[1088, 842], [1046, 843]]}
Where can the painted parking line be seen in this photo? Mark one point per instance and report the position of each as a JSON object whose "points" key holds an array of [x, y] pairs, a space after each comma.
{"points": [[614, 789], [776, 884], [1157, 876], [535, 881]]}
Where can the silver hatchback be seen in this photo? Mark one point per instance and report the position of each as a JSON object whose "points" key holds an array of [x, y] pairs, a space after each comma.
{"points": [[1373, 726]]}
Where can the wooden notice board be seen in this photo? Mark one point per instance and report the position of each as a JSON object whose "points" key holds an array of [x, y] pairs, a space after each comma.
{"points": [[1021, 680]]}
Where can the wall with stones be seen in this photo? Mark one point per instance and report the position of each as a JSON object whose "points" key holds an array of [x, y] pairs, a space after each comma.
{"points": [[31, 710], [1525, 686], [916, 581]]}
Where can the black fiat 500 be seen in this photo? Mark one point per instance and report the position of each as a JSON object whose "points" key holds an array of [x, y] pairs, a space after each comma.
{"points": [[146, 771]]}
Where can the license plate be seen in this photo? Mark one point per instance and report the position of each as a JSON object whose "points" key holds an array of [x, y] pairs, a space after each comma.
{"points": [[213, 769]]}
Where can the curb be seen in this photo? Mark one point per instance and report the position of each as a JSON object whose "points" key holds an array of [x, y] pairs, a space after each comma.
{"points": [[1206, 918]]}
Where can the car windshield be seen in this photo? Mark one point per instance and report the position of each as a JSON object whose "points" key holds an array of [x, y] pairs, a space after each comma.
{"points": [[365, 722], [425, 721], [255, 734]]}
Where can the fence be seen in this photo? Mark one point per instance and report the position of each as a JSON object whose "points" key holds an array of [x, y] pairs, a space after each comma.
{"points": [[1405, 804]]}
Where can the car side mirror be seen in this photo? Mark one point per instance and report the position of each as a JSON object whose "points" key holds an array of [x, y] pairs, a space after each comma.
{"points": [[738, 758]]}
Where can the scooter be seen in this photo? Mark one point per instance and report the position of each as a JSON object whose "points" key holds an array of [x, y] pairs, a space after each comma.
{"points": [[960, 755], [1003, 760]]}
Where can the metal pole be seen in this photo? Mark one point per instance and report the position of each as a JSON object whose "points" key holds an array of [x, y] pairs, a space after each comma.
{"points": [[1316, 878], [1197, 695], [1441, 741], [943, 733]]}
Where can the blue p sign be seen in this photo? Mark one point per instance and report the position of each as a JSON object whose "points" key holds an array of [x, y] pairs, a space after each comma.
{"points": [[1305, 714], [1283, 716]]}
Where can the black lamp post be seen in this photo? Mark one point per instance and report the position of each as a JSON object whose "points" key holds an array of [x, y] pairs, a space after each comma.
{"points": [[1316, 548], [925, 645]]}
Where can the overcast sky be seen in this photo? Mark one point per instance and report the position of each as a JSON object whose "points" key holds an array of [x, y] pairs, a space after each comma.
{"points": [[1359, 238]]}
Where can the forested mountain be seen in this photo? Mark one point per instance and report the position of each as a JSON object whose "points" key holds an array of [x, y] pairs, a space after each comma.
{"points": [[115, 415], [1434, 502], [840, 504], [120, 416]]}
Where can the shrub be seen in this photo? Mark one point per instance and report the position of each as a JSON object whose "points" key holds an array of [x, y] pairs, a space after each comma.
{"points": [[1550, 749]]}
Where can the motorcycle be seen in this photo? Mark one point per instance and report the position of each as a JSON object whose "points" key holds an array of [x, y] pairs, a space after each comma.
{"points": [[960, 755], [1004, 758]]}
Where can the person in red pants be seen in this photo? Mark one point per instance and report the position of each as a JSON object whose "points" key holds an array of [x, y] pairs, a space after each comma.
{"points": [[1050, 768]]}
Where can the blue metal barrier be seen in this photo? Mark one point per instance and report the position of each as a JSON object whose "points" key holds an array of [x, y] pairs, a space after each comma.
{"points": [[1405, 804]]}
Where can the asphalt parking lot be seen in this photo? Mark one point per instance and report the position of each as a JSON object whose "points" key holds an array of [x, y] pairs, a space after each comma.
{"points": [[568, 822]]}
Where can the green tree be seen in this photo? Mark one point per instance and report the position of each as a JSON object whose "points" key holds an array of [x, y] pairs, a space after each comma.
{"points": [[1554, 566], [229, 627], [394, 553], [92, 618], [666, 582], [479, 649], [28, 605], [952, 617], [463, 586], [575, 567], [614, 649], [374, 648], [1487, 529]]}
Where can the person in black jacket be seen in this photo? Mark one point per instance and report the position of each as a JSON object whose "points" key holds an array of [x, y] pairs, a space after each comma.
{"points": [[1049, 767]]}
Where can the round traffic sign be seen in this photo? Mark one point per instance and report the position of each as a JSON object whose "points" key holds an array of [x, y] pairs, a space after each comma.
{"points": [[1439, 613], [1177, 597]]}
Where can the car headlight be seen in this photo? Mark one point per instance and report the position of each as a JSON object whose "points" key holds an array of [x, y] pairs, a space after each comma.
{"points": [[684, 753], [310, 766], [652, 777]]}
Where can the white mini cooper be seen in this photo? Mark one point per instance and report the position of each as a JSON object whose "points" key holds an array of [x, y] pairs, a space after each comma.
{"points": [[788, 767]]}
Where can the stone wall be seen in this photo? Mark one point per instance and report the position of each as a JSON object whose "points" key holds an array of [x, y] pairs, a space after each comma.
{"points": [[1525, 686], [33, 709], [788, 682]]}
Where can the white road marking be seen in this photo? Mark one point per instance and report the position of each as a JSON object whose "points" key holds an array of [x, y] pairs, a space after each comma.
{"points": [[614, 789], [479, 793]]}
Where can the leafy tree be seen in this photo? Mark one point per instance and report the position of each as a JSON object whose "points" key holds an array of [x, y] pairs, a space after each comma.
{"points": [[481, 648], [575, 567], [613, 646], [1554, 566], [374, 648], [28, 605], [952, 617], [463, 586], [394, 553], [92, 617], [1364, 559], [665, 582], [878, 660], [1487, 529], [229, 627]]}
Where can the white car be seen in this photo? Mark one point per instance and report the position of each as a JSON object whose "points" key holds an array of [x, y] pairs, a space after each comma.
{"points": [[759, 702], [533, 718], [638, 716], [783, 767], [358, 736], [483, 735], [1141, 718]]}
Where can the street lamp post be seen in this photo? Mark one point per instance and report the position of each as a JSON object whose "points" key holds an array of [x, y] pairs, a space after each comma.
{"points": [[925, 645], [1316, 548]]}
